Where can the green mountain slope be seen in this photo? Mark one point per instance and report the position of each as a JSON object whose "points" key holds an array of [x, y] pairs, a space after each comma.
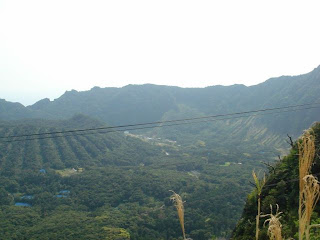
{"points": [[73, 150], [121, 185], [134, 103], [145, 103], [284, 191], [14, 111]]}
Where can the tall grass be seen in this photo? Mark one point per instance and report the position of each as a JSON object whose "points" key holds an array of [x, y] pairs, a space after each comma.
{"points": [[310, 197], [178, 203], [308, 185], [259, 185], [274, 228]]}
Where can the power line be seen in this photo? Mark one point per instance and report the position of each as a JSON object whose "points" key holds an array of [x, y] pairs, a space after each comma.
{"points": [[180, 122], [144, 127], [149, 127], [157, 122]]}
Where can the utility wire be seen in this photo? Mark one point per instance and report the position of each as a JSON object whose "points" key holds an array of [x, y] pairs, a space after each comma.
{"points": [[161, 122], [131, 127], [158, 122], [147, 127]]}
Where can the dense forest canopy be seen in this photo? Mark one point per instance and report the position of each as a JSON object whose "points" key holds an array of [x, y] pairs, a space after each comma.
{"points": [[117, 174]]}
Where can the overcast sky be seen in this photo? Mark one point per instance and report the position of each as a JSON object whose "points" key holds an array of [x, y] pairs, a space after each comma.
{"points": [[48, 47]]}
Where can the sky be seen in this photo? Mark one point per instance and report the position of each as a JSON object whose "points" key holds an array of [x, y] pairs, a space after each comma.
{"points": [[48, 47]]}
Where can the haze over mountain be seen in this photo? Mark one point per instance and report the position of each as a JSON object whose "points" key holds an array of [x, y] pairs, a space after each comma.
{"points": [[146, 103], [206, 92]]}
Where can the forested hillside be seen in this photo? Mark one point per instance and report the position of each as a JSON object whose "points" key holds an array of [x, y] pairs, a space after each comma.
{"points": [[282, 188], [71, 150], [14, 111], [90, 185]]}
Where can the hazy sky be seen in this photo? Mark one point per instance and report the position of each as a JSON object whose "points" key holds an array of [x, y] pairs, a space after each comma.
{"points": [[48, 47]]}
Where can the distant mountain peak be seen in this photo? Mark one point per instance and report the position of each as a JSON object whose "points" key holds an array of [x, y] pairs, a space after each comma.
{"points": [[40, 104]]}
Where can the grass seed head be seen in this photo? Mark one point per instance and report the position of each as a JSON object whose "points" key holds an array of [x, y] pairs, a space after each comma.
{"points": [[275, 226], [178, 203]]}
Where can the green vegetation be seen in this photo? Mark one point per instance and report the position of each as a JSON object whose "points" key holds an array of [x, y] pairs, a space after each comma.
{"points": [[259, 185], [69, 171], [226, 164], [123, 186], [116, 185], [282, 188], [133, 198]]}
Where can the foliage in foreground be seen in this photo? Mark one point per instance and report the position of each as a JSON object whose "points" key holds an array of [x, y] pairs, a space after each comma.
{"points": [[282, 187]]}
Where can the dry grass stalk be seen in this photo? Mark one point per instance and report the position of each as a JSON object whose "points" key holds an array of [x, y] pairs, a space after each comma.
{"points": [[310, 197], [259, 185], [178, 203], [274, 229], [306, 156], [306, 149]]}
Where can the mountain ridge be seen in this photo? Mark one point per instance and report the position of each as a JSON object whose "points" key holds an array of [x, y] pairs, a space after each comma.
{"points": [[150, 103]]}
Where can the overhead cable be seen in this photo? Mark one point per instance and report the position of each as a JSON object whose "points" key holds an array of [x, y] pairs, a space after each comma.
{"points": [[159, 122], [140, 128]]}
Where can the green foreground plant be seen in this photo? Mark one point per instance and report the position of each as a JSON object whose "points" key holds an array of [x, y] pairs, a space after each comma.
{"points": [[259, 185]]}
